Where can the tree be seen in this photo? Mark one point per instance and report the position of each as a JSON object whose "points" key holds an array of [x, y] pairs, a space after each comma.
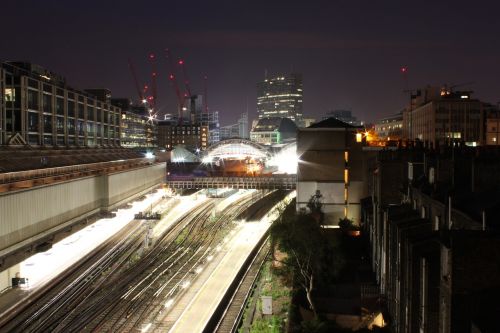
{"points": [[310, 254]]}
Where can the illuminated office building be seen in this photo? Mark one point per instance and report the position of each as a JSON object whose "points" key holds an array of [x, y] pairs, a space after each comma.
{"points": [[281, 97], [38, 108]]}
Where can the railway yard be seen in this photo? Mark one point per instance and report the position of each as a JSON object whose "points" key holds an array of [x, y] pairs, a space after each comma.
{"points": [[150, 274]]}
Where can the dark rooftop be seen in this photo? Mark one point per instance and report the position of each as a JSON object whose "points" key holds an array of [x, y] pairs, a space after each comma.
{"points": [[332, 123], [275, 124]]}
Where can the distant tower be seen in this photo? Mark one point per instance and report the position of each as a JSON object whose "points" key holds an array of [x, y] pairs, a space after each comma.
{"points": [[194, 114], [243, 126], [280, 96]]}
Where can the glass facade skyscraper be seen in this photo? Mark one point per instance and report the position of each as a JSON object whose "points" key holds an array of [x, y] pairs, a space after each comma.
{"points": [[280, 96]]}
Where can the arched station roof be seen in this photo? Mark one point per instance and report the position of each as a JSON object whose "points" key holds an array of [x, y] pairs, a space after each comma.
{"points": [[234, 148]]}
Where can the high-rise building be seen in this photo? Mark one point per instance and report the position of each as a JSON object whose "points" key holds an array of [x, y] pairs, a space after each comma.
{"points": [[138, 129], [193, 137], [280, 96], [243, 126], [194, 113], [238, 130], [390, 128], [38, 108], [439, 115], [493, 127]]}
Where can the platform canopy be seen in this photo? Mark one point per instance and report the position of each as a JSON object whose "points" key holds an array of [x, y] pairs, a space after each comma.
{"points": [[235, 148]]}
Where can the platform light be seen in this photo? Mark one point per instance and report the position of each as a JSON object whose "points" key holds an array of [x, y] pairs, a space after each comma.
{"points": [[149, 155], [146, 327], [169, 303], [186, 284], [179, 159]]}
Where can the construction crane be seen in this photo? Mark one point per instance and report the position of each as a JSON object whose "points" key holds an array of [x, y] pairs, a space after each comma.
{"points": [[153, 97], [140, 93], [404, 73], [173, 81], [182, 64], [205, 94]]}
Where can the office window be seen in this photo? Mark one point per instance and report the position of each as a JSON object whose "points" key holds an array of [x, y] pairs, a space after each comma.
{"points": [[10, 94], [47, 103], [98, 129], [90, 129], [90, 113], [33, 139], [33, 122], [60, 106], [47, 124], [81, 111], [70, 124], [60, 125], [32, 100], [80, 128], [71, 109], [47, 140]]}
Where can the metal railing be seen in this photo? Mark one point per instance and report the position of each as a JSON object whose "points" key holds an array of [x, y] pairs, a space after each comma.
{"points": [[263, 182]]}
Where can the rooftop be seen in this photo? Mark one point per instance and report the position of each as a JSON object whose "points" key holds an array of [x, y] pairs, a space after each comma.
{"points": [[275, 124], [332, 123]]}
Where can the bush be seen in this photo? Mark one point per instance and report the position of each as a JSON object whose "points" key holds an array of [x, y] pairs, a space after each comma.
{"points": [[347, 225]]}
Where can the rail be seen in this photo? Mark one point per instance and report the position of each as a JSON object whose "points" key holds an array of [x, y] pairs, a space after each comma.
{"points": [[215, 324]]}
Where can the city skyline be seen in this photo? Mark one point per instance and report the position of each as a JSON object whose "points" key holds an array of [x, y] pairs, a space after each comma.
{"points": [[350, 54]]}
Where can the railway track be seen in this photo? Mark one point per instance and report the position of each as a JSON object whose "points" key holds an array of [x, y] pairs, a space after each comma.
{"points": [[233, 313], [172, 278], [121, 292], [61, 296], [84, 278], [113, 309]]}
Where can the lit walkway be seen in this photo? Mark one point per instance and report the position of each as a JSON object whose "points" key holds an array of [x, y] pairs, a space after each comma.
{"points": [[210, 292]]}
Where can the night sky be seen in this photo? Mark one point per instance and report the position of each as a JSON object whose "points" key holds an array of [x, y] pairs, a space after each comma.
{"points": [[349, 52]]}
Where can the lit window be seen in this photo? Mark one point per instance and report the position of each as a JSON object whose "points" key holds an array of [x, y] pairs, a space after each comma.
{"points": [[359, 137], [346, 176], [346, 156], [10, 95]]}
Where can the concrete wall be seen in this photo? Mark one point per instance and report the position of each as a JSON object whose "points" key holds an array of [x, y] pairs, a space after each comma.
{"points": [[120, 186], [32, 215], [333, 198]]}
